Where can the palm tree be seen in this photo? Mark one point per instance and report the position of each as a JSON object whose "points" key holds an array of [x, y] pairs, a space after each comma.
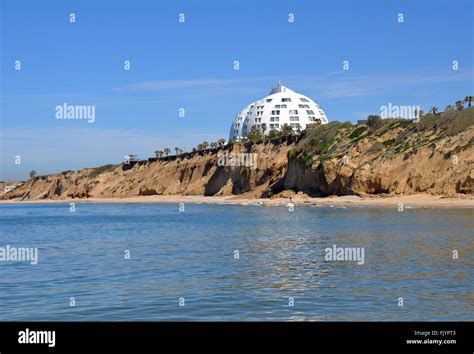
{"points": [[221, 142], [213, 145], [448, 108], [177, 150], [167, 151], [158, 153], [460, 105], [434, 110], [468, 100], [33, 174], [264, 128]]}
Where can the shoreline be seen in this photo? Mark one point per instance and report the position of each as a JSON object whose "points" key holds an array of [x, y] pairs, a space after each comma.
{"points": [[408, 201]]}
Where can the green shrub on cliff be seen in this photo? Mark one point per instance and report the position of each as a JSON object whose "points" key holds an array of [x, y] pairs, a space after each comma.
{"points": [[319, 140], [450, 122], [307, 159], [99, 170], [377, 147], [292, 153], [374, 122], [388, 142], [358, 132], [457, 121], [255, 135], [275, 134]]}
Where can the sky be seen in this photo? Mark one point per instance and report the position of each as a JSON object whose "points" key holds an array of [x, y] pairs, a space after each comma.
{"points": [[191, 65]]}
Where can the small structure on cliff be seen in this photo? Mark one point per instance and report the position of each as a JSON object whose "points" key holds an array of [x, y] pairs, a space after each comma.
{"points": [[11, 187], [282, 106]]}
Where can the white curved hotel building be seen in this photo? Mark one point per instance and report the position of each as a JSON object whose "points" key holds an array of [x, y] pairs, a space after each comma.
{"points": [[282, 106]]}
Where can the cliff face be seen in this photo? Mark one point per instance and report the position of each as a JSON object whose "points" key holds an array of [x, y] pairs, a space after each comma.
{"points": [[193, 174], [434, 156]]}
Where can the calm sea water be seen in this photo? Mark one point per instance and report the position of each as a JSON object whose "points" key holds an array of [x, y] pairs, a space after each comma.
{"points": [[190, 254]]}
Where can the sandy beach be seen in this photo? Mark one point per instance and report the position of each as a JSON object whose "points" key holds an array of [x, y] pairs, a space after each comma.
{"points": [[415, 201]]}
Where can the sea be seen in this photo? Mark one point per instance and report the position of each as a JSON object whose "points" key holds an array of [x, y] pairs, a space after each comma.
{"points": [[201, 262]]}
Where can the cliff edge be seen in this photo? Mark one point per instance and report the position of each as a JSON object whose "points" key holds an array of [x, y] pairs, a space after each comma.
{"points": [[399, 157]]}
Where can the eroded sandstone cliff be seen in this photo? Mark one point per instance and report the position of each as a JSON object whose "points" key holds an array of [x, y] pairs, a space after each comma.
{"points": [[433, 156]]}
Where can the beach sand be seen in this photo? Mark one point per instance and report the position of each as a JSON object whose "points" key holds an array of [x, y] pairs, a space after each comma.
{"points": [[417, 201]]}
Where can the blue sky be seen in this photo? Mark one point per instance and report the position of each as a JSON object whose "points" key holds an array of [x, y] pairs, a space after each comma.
{"points": [[190, 65]]}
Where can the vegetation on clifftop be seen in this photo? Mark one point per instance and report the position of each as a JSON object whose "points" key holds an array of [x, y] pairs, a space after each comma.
{"points": [[99, 170], [388, 136], [391, 156]]}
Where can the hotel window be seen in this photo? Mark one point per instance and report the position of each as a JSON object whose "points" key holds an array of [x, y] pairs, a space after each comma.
{"points": [[294, 119], [274, 119], [286, 99], [283, 106], [303, 106], [276, 112], [312, 119], [309, 111], [303, 99], [277, 125], [269, 99], [293, 111], [272, 126]]}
